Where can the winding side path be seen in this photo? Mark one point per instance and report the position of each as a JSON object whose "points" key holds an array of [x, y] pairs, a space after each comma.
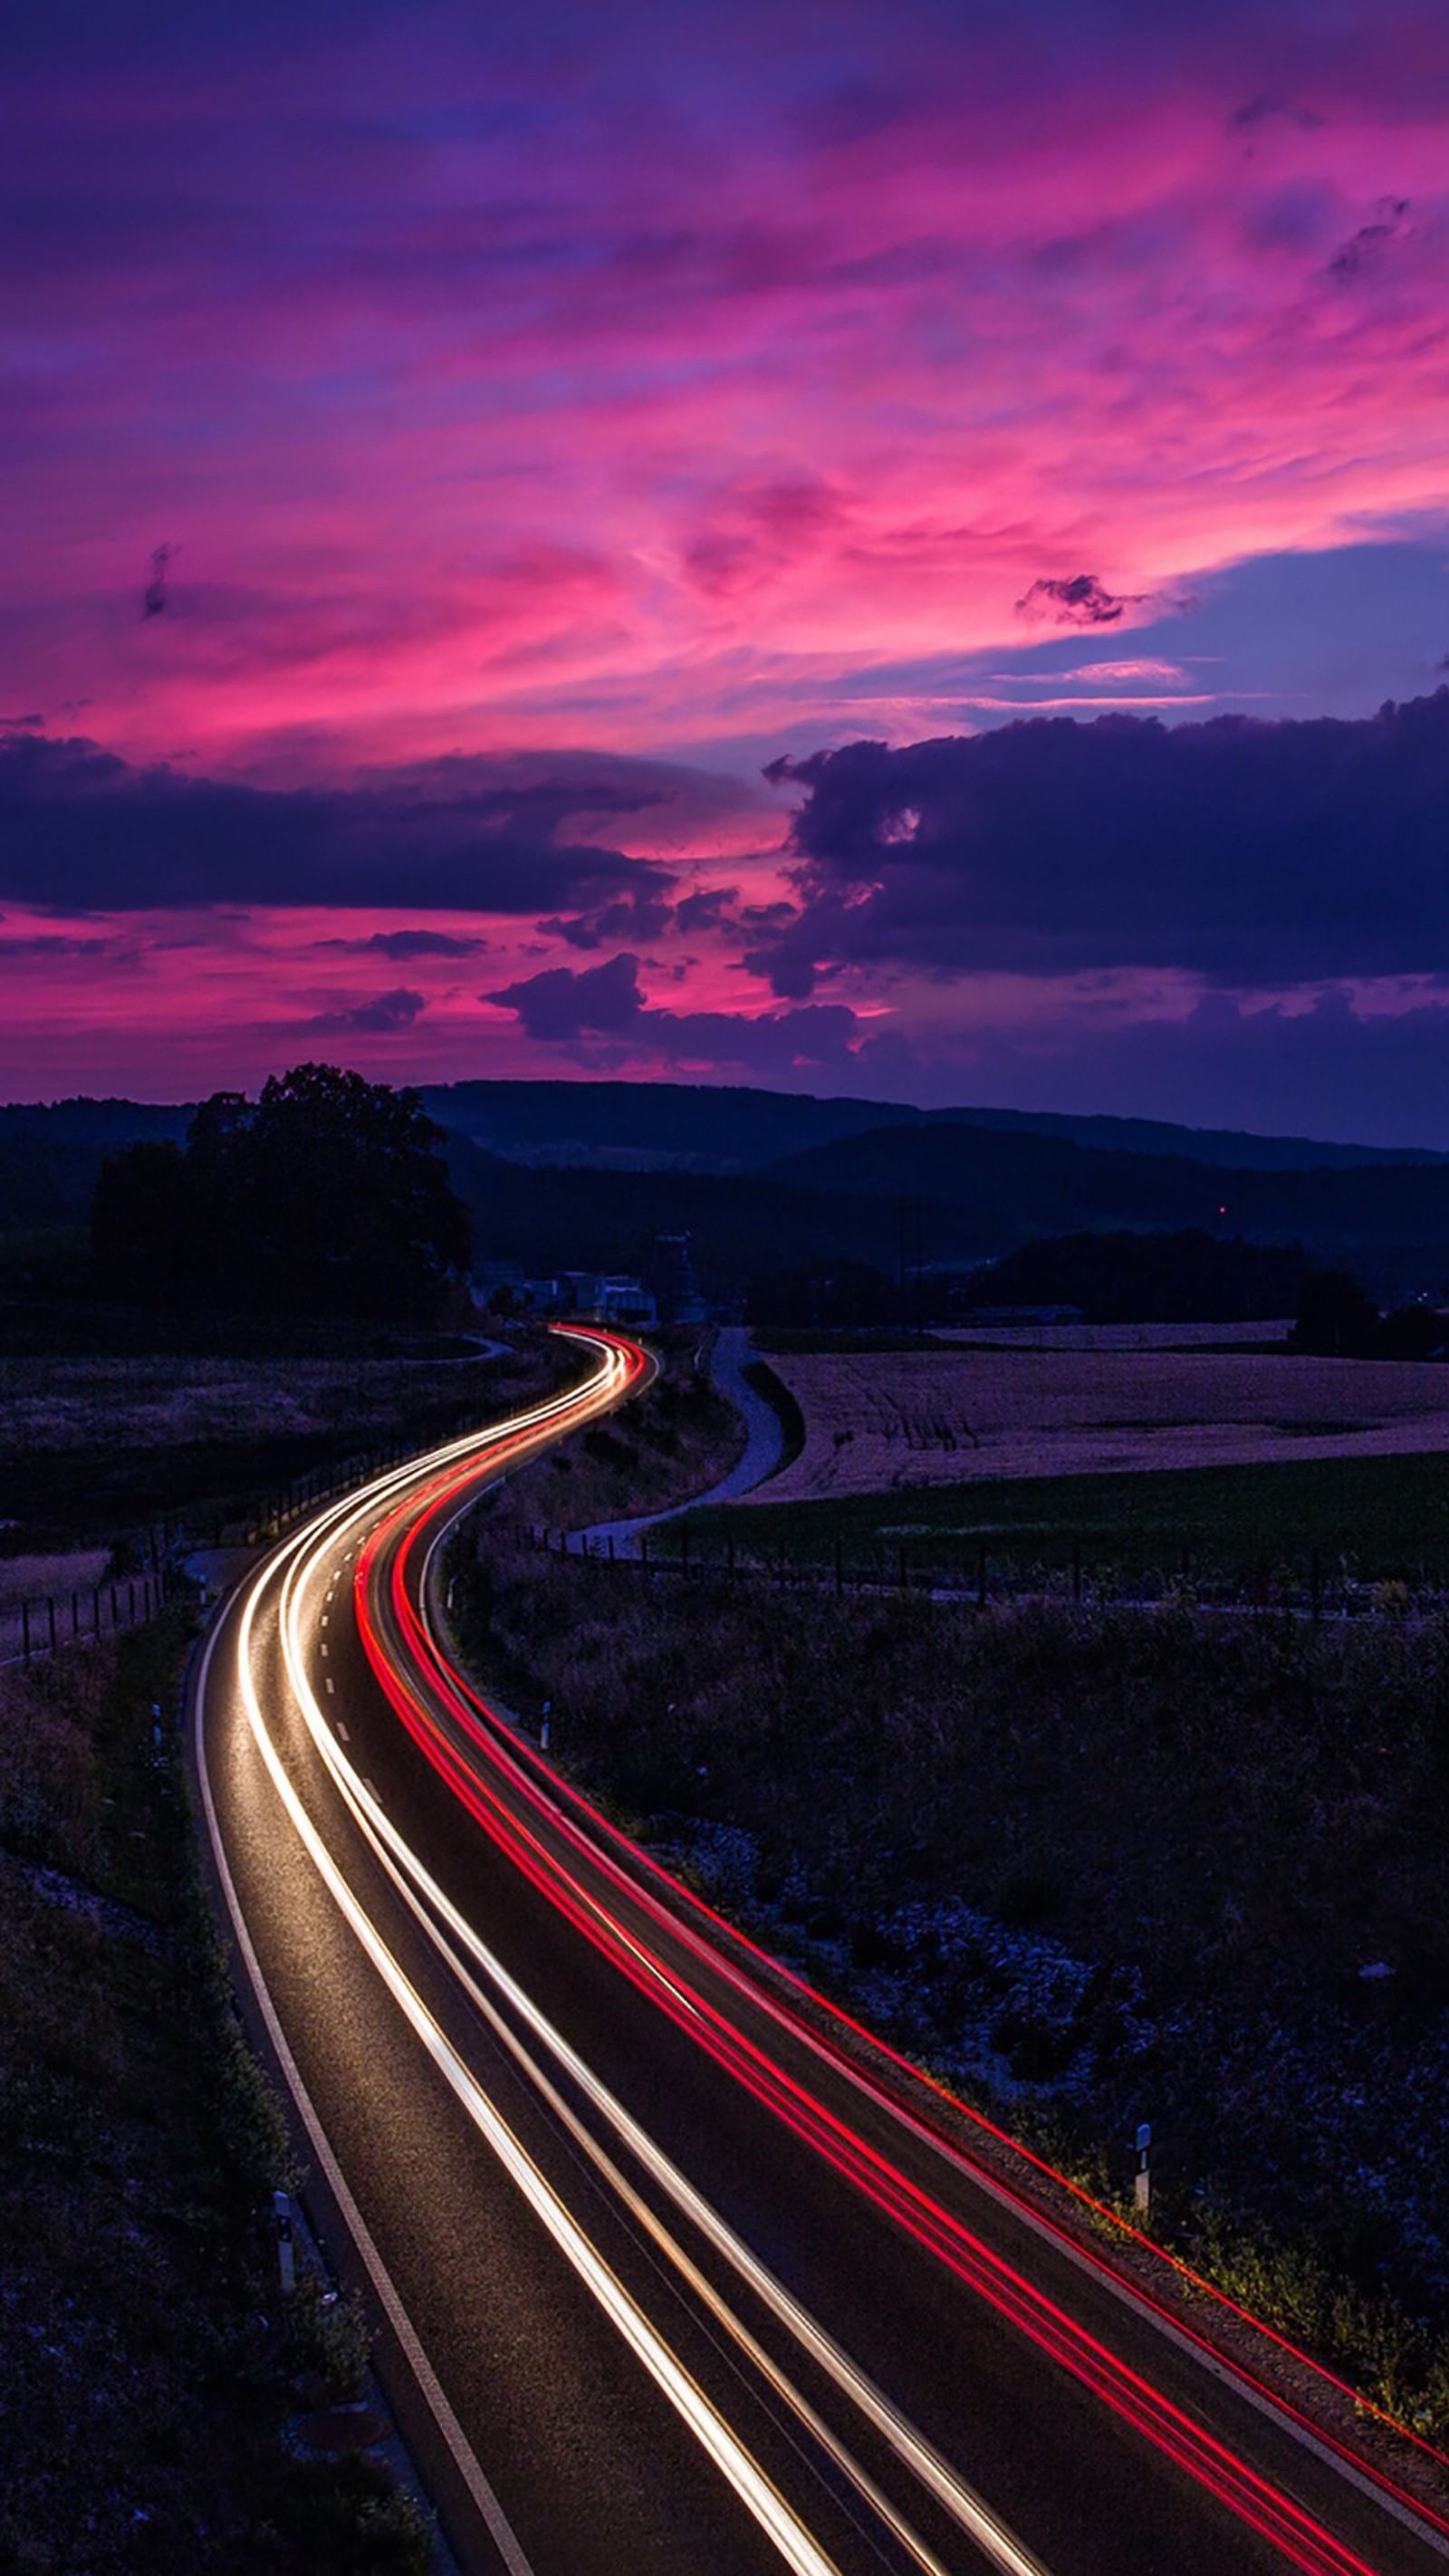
{"points": [[763, 1451]]}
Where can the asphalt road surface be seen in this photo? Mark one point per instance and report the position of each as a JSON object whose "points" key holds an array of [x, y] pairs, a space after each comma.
{"points": [[670, 2279]]}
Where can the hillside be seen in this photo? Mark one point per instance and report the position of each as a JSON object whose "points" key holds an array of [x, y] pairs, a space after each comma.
{"points": [[731, 1128]]}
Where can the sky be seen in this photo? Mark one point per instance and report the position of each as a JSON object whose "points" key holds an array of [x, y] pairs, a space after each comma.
{"points": [[884, 549]]}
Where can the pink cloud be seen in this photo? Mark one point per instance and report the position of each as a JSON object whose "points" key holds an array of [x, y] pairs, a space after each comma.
{"points": [[496, 410]]}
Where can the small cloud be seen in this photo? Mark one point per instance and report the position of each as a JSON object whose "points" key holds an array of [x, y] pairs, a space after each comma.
{"points": [[1079, 600], [563, 1002], [404, 944], [153, 597], [1388, 222], [46, 943], [380, 1017], [21, 724], [1268, 105], [634, 916], [1125, 672]]}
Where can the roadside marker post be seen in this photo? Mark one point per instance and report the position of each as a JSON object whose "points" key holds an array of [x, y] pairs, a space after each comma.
{"points": [[1142, 2186], [543, 1730], [286, 2245]]}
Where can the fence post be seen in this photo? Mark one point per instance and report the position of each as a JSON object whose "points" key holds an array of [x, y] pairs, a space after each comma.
{"points": [[96, 1611], [839, 1568], [50, 1614], [25, 1629], [131, 1604], [75, 1614], [114, 1615]]}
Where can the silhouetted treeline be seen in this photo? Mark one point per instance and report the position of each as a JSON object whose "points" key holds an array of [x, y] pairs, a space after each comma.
{"points": [[327, 1196], [1337, 1319], [830, 1295], [1184, 1278]]}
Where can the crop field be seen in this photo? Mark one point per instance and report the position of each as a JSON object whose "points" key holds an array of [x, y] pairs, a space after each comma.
{"points": [[93, 1446], [901, 1420]]}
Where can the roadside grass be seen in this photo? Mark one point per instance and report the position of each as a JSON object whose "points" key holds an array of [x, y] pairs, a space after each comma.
{"points": [[1368, 1519], [149, 2371], [677, 1438], [1088, 1868]]}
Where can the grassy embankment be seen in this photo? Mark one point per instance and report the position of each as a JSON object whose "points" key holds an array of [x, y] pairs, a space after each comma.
{"points": [[1091, 1867], [678, 1438], [1369, 1520], [149, 2372]]}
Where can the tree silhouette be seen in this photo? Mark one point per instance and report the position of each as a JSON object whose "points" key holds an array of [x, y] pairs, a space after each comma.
{"points": [[327, 1196]]}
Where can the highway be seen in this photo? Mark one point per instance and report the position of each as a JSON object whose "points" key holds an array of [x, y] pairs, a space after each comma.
{"points": [[670, 2278]]}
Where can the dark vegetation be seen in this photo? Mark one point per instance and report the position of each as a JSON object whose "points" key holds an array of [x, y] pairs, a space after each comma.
{"points": [[92, 1448], [585, 1176], [1111, 1278], [678, 1438], [326, 1196], [149, 2372], [1069, 1860], [1337, 1319], [1246, 1532]]}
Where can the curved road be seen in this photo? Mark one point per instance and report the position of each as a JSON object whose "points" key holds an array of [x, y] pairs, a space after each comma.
{"points": [[668, 2281]]}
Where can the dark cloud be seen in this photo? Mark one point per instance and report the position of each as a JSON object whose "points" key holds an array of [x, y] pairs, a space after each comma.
{"points": [[403, 944], [47, 943], [709, 909], [1255, 854], [1388, 221], [562, 1003], [153, 597], [633, 917], [81, 829], [1268, 106], [378, 1017], [21, 724], [1080, 600], [600, 1015]]}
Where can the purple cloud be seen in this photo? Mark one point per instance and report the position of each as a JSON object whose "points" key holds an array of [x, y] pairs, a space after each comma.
{"points": [[1252, 854], [384, 1014]]}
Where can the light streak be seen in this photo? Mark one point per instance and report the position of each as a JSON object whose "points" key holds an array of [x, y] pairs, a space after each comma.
{"points": [[422, 1499], [792, 2541], [403, 1865]]}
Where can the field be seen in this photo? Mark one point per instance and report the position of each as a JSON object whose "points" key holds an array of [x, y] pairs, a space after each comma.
{"points": [[906, 1420], [91, 1447]]}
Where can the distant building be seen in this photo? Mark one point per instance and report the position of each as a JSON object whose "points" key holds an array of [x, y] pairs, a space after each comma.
{"points": [[672, 1276]]}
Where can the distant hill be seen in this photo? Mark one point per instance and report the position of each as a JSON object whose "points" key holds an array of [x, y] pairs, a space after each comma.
{"points": [[705, 1127], [585, 1175]]}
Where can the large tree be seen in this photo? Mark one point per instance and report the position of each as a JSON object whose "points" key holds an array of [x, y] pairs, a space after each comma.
{"points": [[328, 1195]]}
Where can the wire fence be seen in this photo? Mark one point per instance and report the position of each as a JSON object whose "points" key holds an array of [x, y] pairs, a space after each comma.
{"points": [[43, 1624], [1312, 1584]]}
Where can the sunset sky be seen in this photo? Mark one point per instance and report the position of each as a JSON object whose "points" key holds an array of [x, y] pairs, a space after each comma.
{"points": [[451, 455]]}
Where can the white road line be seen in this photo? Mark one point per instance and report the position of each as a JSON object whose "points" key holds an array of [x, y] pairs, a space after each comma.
{"points": [[789, 2536], [494, 2519], [968, 2510]]}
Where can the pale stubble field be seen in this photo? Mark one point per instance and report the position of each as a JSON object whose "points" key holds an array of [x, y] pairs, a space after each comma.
{"points": [[882, 1421]]}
